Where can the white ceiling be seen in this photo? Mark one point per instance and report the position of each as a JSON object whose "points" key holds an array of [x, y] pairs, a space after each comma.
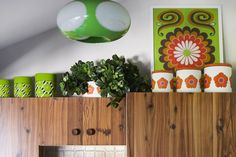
{"points": [[21, 19]]}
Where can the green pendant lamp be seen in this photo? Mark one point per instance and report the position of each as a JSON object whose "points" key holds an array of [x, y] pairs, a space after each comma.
{"points": [[93, 21]]}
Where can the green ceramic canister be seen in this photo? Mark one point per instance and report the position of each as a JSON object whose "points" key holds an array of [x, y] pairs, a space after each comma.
{"points": [[4, 88], [45, 85], [23, 87]]}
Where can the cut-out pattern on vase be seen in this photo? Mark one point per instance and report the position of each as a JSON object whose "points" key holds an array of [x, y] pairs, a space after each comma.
{"points": [[188, 80], [217, 78], [162, 81]]}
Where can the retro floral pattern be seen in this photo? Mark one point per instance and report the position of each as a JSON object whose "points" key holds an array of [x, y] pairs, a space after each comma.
{"points": [[162, 83], [186, 48], [179, 82], [191, 81], [207, 81], [221, 80]]}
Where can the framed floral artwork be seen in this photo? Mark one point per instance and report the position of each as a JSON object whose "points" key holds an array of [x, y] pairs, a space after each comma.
{"points": [[187, 37]]}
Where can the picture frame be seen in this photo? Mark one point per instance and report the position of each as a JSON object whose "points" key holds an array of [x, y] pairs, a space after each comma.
{"points": [[212, 34]]}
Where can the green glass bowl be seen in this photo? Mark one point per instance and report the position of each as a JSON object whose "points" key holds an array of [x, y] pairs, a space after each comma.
{"points": [[45, 85], [93, 21]]}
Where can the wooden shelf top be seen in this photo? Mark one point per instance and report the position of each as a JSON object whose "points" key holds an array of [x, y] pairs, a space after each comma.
{"points": [[130, 93]]}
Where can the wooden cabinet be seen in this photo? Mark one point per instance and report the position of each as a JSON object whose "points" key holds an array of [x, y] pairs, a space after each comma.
{"points": [[10, 140], [53, 121], [99, 124], [29, 123], [181, 125], [158, 124]]}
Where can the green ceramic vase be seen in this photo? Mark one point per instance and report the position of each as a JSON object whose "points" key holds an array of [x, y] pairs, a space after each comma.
{"points": [[45, 85], [23, 87], [4, 88]]}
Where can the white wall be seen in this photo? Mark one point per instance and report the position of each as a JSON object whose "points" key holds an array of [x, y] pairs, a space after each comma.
{"points": [[51, 52]]}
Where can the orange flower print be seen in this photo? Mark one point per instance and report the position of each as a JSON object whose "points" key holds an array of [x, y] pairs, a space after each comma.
{"points": [[172, 84], [207, 81], [221, 80], [179, 82], [162, 83], [186, 48], [153, 84], [90, 89], [98, 89], [191, 82]]}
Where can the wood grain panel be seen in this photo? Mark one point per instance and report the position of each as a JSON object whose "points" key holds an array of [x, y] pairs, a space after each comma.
{"points": [[159, 124], [118, 124], [29, 123], [46, 119], [109, 123], [176, 134], [139, 131], [148, 129], [90, 107], [181, 125], [60, 121], [4, 121], [232, 129], [75, 120], [93, 113], [10, 129], [52, 119], [29, 132], [225, 125], [130, 124], [206, 125], [104, 122]]}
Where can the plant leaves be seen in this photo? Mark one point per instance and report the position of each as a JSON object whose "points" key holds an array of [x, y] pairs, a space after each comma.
{"points": [[115, 77]]}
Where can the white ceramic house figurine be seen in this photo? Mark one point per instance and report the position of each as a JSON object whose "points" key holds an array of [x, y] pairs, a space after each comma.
{"points": [[162, 81], [93, 90], [217, 78]]}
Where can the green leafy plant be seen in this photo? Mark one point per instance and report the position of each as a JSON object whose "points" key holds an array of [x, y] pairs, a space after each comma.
{"points": [[115, 77], [77, 80]]}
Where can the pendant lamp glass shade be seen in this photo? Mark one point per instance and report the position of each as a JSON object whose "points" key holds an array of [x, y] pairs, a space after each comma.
{"points": [[93, 21]]}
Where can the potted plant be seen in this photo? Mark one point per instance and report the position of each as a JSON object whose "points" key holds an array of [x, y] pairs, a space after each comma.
{"points": [[115, 77], [76, 81]]}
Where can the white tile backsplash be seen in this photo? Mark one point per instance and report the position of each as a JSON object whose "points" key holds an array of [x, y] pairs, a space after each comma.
{"points": [[84, 151]]}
